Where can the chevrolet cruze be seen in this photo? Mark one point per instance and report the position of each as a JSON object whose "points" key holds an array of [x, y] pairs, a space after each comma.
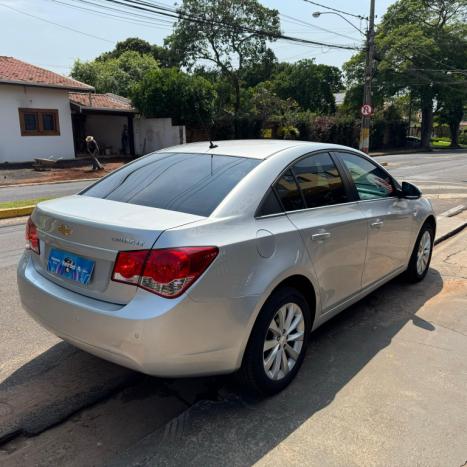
{"points": [[199, 260]]}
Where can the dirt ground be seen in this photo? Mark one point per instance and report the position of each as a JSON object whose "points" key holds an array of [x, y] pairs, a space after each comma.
{"points": [[29, 175]]}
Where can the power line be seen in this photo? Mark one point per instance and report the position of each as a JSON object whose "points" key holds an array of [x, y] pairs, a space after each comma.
{"points": [[57, 24], [314, 26], [135, 20], [164, 11], [335, 9]]}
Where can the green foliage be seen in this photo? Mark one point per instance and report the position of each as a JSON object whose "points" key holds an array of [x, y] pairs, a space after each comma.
{"points": [[117, 75], [169, 92], [223, 37], [417, 43], [132, 44], [164, 56], [311, 85]]}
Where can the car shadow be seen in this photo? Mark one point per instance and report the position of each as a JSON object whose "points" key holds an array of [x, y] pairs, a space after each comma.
{"points": [[241, 430]]}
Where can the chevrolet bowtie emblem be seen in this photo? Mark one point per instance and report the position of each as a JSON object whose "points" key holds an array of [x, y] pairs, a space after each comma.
{"points": [[64, 230]]}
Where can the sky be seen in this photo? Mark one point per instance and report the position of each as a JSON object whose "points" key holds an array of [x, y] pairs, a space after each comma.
{"points": [[24, 36]]}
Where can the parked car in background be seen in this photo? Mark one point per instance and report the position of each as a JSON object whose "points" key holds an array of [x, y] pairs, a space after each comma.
{"points": [[196, 260], [413, 142]]}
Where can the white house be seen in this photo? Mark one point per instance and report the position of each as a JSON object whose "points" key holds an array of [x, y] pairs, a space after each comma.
{"points": [[44, 114]]}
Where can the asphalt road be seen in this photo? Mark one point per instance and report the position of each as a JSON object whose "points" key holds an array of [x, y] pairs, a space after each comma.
{"points": [[53, 190], [442, 176]]}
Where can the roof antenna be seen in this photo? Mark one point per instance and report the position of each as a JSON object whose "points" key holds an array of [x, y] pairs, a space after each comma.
{"points": [[206, 128]]}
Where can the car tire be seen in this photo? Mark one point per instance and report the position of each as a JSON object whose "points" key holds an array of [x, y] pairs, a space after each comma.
{"points": [[290, 348], [421, 255]]}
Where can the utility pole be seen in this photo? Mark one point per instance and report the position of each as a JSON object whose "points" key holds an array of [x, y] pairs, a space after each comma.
{"points": [[367, 108]]}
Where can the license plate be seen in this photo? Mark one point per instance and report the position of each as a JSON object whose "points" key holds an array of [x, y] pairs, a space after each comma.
{"points": [[70, 266]]}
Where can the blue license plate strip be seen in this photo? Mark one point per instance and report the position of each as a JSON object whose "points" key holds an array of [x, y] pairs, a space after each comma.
{"points": [[70, 266]]}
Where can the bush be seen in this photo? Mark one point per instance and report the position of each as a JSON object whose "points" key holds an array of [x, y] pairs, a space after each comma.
{"points": [[327, 129], [463, 138]]}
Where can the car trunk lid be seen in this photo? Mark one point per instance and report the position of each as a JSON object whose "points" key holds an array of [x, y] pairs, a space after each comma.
{"points": [[95, 230]]}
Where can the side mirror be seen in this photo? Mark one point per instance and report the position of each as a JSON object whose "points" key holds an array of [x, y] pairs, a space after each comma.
{"points": [[409, 191]]}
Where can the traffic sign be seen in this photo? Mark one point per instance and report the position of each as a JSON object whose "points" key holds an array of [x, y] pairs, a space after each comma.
{"points": [[367, 110]]}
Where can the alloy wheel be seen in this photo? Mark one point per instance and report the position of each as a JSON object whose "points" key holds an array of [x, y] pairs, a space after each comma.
{"points": [[423, 253], [284, 341]]}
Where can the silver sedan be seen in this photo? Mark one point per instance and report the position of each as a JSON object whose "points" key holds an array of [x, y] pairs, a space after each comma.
{"points": [[199, 260]]}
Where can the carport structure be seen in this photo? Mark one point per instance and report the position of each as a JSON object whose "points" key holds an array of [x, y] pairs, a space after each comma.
{"points": [[105, 117]]}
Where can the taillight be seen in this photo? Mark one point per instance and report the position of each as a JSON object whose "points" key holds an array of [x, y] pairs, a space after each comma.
{"points": [[166, 272], [32, 240]]}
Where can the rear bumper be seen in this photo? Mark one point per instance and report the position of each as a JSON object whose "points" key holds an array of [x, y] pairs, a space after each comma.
{"points": [[157, 336]]}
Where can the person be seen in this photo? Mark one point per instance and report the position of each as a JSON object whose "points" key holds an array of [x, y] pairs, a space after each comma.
{"points": [[125, 139], [93, 150]]}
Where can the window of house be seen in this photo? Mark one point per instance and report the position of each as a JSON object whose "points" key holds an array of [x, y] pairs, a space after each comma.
{"points": [[39, 122]]}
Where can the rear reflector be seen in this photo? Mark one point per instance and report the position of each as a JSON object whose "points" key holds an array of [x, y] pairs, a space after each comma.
{"points": [[32, 240], [165, 272]]}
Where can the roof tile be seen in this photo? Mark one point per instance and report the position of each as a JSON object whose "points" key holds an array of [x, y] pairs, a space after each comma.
{"points": [[16, 71], [101, 101]]}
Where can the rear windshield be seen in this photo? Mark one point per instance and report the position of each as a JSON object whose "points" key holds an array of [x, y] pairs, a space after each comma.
{"points": [[191, 183]]}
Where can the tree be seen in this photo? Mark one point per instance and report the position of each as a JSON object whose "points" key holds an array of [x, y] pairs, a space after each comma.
{"points": [[270, 109], [230, 34], [417, 42], [133, 44], [311, 85], [169, 92], [116, 75], [451, 112]]}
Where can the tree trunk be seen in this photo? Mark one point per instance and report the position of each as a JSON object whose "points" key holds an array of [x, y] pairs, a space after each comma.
{"points": [[454, 129], [427, 122], [236, 83]]}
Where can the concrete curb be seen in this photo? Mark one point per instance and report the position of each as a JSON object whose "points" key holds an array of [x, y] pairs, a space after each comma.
{"points": [[56, 182], [8, 213], [450, 233]]}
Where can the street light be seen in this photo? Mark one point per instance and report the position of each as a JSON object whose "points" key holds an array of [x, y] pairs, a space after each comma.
{"points": [[367, 108], [317, 14]]}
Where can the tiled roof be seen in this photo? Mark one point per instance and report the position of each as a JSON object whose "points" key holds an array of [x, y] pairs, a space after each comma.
{"points": [[107, 101], [15, 71]]}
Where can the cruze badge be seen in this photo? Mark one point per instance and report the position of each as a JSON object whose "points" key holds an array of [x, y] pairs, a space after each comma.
{"points": [[128, 241]]}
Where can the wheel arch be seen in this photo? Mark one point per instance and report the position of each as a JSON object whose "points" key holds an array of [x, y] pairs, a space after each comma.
{"points": [[305, 287], [430, 220], [297, 281]]}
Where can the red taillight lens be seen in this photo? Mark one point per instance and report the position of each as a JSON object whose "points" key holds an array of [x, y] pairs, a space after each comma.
{"points": [[32, 240], [166, 272], [129, 265]]}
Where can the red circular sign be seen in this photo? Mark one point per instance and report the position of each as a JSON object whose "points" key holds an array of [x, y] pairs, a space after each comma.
{"points": [[366, 110]]}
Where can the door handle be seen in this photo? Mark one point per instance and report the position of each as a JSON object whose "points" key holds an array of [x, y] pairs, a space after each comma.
{"points": [[321, 236], [377, 224]]}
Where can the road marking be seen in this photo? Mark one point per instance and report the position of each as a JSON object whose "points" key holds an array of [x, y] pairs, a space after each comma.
{"points": [[453, 211]]}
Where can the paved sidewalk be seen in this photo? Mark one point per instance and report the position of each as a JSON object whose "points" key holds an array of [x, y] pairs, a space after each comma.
{"points": [[383, 384]]}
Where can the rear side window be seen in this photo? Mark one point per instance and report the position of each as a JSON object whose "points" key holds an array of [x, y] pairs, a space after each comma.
{"points": [[320, 181], [270, 204], [370, 181], [191, 183], [288, 192]]}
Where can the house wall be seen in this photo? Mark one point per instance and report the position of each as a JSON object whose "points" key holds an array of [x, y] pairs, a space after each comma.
{"points": [[152, 134], [17, 148], [107, 130]]}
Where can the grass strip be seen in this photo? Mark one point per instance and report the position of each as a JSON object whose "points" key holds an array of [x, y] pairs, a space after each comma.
{"points": [[19, 203]]}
